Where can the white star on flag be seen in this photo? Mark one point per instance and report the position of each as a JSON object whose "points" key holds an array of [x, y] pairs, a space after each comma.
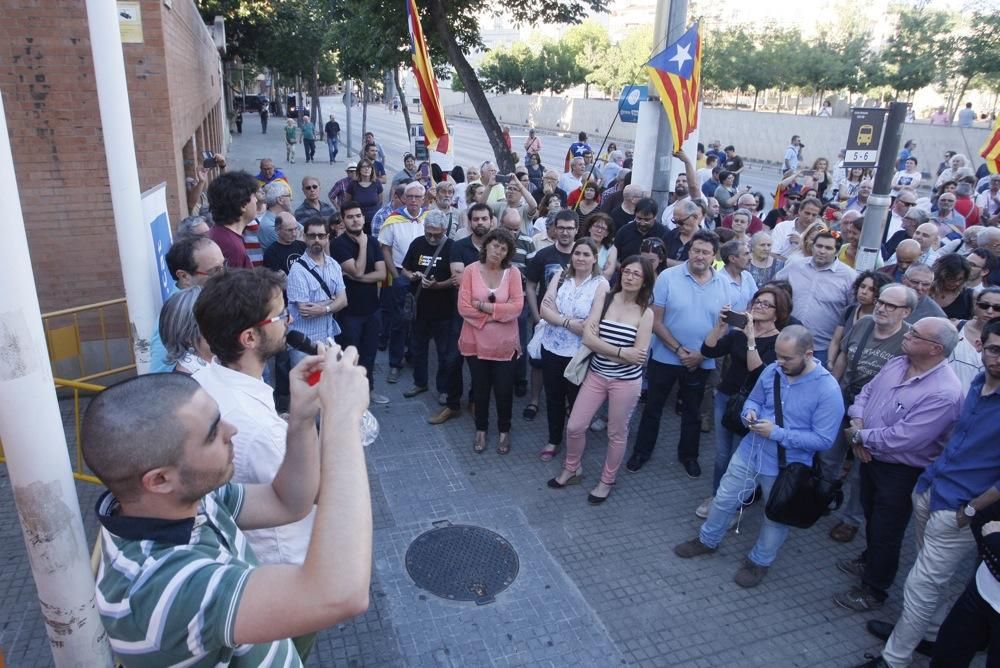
{"points": [[682, 56]]}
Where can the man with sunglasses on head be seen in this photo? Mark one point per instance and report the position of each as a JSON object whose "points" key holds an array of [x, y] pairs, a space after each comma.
{"points": [[312, 206], [905, 200], [243, 318], [316, 288]]}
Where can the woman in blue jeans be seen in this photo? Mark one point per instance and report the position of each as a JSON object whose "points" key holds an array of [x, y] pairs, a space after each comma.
{"points": [[750, 349]]}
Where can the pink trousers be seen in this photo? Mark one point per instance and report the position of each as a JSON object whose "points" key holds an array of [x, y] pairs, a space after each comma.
{"points": [[622, 396]]}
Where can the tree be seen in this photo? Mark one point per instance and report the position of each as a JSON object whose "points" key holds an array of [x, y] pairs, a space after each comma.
{"points": [[978, 53], [503, 70], [557, 68], [589, 43], [920, 51], [625, 63]]}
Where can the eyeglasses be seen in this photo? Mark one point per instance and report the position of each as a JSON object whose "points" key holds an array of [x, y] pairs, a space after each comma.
{"points": [[888, 306], [986, 306], [680, 221], [314, 186], [757, 302], [632, 273], [914, 335], [565, 229], [992, 351], [318, 236], [906, 204], [284, 315], [214, 271]]}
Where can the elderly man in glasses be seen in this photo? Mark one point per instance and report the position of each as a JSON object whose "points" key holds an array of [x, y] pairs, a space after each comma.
{"points": [[312, 206]]}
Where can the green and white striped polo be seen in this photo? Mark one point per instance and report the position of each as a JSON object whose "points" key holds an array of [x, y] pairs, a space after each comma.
{"points": [[168, 590]]}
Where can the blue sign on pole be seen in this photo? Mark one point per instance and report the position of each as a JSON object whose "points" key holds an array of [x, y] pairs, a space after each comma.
{"points": [[628, 109], [160, 230]]}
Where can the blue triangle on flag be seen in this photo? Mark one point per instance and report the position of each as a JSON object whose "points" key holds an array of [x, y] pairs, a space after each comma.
{"points": [[678, 58]]}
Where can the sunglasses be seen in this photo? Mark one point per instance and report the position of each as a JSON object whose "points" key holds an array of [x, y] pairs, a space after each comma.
{"points": [[986, 306], [311, 187]]}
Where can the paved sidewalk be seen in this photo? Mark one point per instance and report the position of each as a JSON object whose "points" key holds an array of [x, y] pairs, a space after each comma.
{"points": [[598, 586]]}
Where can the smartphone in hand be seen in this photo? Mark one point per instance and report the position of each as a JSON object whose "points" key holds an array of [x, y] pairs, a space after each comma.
{"points": [[734, 319]]}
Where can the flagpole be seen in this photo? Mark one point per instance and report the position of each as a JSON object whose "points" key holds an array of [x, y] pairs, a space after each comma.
{"points": [[669, 25]]}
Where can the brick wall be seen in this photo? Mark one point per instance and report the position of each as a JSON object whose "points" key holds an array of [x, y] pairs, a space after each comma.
{"points": [[50, 99]]}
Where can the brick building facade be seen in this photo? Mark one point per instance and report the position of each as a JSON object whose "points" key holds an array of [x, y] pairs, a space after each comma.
{"points": [[50, 98]]}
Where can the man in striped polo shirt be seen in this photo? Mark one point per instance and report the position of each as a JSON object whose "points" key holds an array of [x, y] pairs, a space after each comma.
{"points": [[178, 583]]}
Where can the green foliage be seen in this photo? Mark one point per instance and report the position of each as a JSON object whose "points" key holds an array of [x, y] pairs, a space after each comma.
{"points": [[979, 48], [919, 53], [625, 62]]}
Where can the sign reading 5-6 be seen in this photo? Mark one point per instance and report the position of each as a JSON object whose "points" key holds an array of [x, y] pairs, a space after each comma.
{"points": [[864, 136]]}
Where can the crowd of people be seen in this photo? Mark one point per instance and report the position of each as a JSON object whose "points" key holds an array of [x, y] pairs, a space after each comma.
{"points": [[576, 284]]}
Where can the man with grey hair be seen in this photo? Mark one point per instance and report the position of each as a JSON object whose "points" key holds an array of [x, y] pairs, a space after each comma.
{"points": [[573, 179], [872, 342], [488, 177], [735, 259], [812, 410], [920, 278], [614, 166], [624, 213], [550, 186], [860, 201], [749, 202], [426, 266], [895, 445], [277, 198], [399, 230], [193, 226], [929, 237], [517, 197], [912, 219], [989, 238]]}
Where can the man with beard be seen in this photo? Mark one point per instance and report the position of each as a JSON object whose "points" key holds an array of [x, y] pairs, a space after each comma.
{"points": [[282, 254], [644, 225], [316, 289], [364, 267], [243, 318]]}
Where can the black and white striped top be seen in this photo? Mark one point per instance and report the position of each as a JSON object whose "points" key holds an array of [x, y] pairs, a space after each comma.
{"points": [[620, 336]]}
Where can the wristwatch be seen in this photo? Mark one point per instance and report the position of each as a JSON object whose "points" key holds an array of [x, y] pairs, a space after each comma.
{"points": [[751, 347], [326, 308], [969, 511], [856, 439]]}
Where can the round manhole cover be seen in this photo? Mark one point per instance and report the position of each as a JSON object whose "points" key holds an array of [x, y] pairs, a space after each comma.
{"points": [[462, 563]]}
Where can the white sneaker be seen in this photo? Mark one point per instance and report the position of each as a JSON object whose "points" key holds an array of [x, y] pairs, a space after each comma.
{"points": [[377, 398], [705, 506], [598, 424]]}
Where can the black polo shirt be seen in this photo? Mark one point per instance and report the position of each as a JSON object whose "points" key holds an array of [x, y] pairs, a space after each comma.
{"points": [[629, 238]]}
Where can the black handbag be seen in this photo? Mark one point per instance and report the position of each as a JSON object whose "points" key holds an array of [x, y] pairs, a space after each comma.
{"points": [[732, 416], [800, 495]]}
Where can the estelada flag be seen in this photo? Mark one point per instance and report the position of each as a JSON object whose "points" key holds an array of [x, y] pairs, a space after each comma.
{"points": [[435, 128], [991, 149], [676, 74]]}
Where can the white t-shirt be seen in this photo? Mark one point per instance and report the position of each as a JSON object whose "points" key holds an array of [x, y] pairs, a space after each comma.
{"points": [[780, 236], [569, 183]]}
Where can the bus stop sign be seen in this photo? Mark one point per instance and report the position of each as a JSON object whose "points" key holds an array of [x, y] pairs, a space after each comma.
{"points": [[864, 137]]}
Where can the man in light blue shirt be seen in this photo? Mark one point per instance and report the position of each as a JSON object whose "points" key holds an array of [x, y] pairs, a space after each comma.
{"points": [[313, 304], [735, 256], [812, 410], [686, 301], [793, 154]]}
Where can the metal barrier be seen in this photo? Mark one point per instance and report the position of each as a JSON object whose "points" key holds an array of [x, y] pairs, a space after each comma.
{"points": [[64, 342]]}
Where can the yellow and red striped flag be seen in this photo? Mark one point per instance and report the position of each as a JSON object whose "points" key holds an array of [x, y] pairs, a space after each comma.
{"points": [[676, 74], [435, 128], [991, 150]]}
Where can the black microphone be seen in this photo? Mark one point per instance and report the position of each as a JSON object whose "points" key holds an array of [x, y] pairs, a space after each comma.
{"points": [[300, 342]]}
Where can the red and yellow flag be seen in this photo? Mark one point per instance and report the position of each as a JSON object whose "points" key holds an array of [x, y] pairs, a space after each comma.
{"points": [[435, 129], [676, 74], [991, 150]]}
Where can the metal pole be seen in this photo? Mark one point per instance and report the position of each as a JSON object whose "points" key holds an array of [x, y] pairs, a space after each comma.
{"points": [[879, 201], [349, 102], [37, 458], [141, 291], [671, 19]]}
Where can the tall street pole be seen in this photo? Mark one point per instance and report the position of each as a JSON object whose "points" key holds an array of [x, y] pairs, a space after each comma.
{"points": [[349, 102], [879, 201], [34, 443], [141, 290], [671, 21]]}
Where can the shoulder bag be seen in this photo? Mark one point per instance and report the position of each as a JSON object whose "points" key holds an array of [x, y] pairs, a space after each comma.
{"points": [[852, 369], [732, 416], [800, 495], [409, 311], [319, 279], [577, 368]]}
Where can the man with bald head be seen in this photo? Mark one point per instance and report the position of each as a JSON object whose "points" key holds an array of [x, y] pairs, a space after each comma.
{"points": [[907, 252], [920, 277], [929, 238], [749, 202], [624, 213], [860, 201], [895, 446], [812, 410]]}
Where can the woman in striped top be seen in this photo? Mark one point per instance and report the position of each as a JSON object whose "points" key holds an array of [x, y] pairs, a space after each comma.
{"points": [[620, 341]]}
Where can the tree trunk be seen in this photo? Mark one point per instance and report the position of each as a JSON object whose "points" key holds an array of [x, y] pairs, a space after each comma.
{"points": [[364, 106], [402, 101], [736, 101], [958, 99], [586, 91], [756, 93], [505, 161], [317, 111]]}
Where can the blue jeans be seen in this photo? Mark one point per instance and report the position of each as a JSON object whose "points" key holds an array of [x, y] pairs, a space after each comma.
{"points": [[398, 327], [333, 144], [361, 331], [423, 332], [738, 481], [726, 441]]}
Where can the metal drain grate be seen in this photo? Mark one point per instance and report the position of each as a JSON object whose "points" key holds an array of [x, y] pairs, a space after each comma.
{"points": [[462, 563]]}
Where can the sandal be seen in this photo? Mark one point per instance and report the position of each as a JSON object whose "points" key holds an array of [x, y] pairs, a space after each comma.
{"points": [[843, 532], [479, 444], [503, 446], [547, 453], [530, 411]]}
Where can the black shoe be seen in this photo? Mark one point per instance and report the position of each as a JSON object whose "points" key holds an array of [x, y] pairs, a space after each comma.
{"points": [[598, 500], [692, 468], [521, 388], [873, 662], [634, 463], [882, 631]]}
